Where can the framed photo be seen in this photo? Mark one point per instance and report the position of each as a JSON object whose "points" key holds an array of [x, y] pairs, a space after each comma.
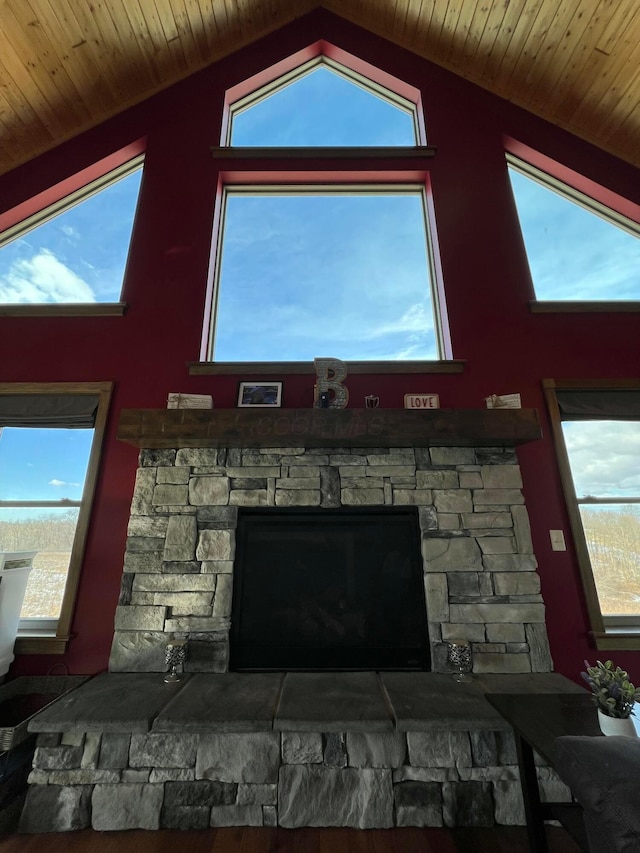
{"points": [[260, 394]]}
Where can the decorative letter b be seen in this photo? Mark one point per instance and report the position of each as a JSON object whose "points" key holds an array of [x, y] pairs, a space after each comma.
{"points": [[331, 372]]}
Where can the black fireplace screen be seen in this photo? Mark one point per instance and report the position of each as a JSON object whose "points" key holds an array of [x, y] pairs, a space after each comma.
{"points": [[328, 590]]}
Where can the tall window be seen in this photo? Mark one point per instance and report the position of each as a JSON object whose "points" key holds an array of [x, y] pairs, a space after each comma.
{"points": [[316, 263], [597, 432], [578, 250], [74, 251], [50, 438]]}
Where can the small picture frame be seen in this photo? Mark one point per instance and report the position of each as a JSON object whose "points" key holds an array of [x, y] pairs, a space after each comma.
{"points": [[260, 395]]}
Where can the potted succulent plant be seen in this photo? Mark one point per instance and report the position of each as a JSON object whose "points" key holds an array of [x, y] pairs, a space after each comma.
{"points": [[614, 696]]}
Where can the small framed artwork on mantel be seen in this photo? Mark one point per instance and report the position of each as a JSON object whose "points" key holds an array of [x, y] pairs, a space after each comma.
{"points": [[260, 395]]}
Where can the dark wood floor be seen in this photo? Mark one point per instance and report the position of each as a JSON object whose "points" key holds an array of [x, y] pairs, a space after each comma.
{"points": [[251, 840]]}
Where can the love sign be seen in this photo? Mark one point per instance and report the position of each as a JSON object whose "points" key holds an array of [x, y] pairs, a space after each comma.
{"points": [[421, 401]]}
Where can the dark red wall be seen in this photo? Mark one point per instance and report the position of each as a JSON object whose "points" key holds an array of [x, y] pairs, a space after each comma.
{"points": [[485, 273]]}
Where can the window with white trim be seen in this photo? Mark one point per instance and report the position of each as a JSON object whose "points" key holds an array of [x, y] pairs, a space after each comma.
{"points": [[74, 251], [578, 249], [322, 103], [317, 264]]}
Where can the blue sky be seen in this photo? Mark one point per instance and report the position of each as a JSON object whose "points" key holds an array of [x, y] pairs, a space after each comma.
{"points": [[573, 253], [344, 275], [42, 465], [323, 108], [79, 256], [337, 275]]}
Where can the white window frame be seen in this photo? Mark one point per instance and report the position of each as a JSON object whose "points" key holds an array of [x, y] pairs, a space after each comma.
{"points": [[289, 77], [327, 189], [608, 214], [332, 169], [50, 212], [58, 207]]}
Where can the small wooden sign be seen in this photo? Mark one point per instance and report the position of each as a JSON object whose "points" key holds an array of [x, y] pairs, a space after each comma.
{"points": [[189, 401], [421, 401], [503, 401]]}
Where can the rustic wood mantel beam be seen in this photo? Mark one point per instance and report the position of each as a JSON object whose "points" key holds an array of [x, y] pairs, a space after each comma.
{"points": [[168, 428]]}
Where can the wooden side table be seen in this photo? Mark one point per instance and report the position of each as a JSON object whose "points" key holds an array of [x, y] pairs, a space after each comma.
{"points": [[537, 720]]}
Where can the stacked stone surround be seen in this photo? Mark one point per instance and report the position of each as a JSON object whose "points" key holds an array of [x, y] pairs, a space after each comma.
{"points": [[480, 573], [18, 698], [117, 781]]}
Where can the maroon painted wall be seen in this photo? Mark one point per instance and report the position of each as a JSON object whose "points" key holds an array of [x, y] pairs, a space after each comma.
{"points": [[485, 274]]}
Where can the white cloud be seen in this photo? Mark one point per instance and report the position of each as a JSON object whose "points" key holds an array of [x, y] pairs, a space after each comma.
{"points": [[70, 231], [43, 278], [416, 321], [61, 483], [417, 351], [604, 457]]}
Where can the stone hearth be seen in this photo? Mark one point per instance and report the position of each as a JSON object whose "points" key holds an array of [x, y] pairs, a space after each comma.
{"points": [[480, 573], [128, 751]]}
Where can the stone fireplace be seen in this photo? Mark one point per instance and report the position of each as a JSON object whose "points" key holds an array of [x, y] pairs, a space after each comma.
{"points": [[288, 747], [478, 566]]}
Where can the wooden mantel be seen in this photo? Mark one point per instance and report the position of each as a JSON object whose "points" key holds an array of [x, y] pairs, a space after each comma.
{"points": [[168, 428]]}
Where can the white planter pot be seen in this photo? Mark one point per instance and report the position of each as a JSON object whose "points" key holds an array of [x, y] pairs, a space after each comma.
{"points": [[616, 726], [14, 574]]}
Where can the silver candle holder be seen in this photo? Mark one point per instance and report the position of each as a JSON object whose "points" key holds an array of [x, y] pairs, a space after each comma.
{"points": [[459, 656], [175, 654]]}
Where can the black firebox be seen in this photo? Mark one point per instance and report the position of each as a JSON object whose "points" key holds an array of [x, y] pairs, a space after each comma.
{"points": [[328, 589]]}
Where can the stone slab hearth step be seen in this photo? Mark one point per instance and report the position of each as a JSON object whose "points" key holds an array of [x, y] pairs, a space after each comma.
{"points": [[228, 702], [333, 702], [438, 702], [424, 701], [292, 702], [110, 702]]}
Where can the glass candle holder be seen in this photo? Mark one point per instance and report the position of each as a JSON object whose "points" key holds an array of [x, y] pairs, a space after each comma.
{"points": [[459, 656], [175, 654]]}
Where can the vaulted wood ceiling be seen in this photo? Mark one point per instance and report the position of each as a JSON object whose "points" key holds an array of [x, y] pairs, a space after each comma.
{"points": [[66, 65]]}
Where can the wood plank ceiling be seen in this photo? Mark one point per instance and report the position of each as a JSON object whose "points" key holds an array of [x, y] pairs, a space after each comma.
{"points": [[66, 65]]}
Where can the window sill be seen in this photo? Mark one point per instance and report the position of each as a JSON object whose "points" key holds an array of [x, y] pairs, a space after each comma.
{"points": [[629, 639], [269, 368], [66, 309], [40, 643], [288, 155], [599, 307]]}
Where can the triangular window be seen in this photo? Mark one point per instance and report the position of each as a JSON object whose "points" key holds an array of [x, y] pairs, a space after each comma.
{"points": [[76, 250], [578, 250], [323, 104]]}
